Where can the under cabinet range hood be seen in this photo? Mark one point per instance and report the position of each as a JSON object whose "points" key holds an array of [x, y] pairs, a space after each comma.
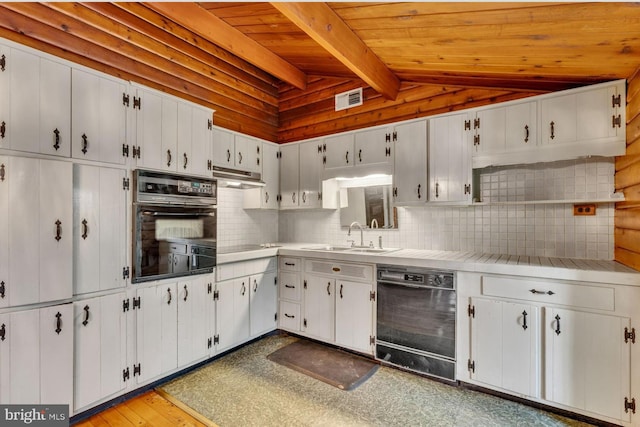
{"points": [[234, 178]]}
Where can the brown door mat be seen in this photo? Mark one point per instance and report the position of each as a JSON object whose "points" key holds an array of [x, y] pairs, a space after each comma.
{"points": [[330, 365]]}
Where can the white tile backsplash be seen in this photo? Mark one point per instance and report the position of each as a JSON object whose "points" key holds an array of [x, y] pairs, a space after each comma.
{"points": [[531, 229]]}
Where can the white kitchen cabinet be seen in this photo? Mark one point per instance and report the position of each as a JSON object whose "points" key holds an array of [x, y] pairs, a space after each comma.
{"points": [[36, 349], [355, 305], [263, 303], [587, 363], [505, 345], [99, 228], [4, 231], [199, 160], [193, 319], [99, 117], [504, 128], [289, 293], [310, 188], [319, 307], [223, 153], [338, 154], [266, 197], [37, 247], [410, 160], [373, 149], [449, 159], [100, 362], [248, 153], [232, 313], [289, 172], [156, 130], [156, 331], [35, 112]]}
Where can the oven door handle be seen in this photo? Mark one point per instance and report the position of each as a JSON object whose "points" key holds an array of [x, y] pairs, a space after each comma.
{"points": [[408, 285], [154, 213]]}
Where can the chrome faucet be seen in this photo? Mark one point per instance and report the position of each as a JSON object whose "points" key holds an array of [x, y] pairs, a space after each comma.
{"points": [[361, 232]]}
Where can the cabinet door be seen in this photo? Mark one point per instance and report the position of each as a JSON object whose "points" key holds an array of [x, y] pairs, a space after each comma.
{"points": [[489, 126], [223, 148], [113, 121], [521, 126], [319, 307], [193, 331], [248, 153], [311, 178], [55, 108], [587, 363], [241, 294], [100, 348], [156, 331], [100, 213], [559, 119], [4, 231], [289, 168], [373, 148], [354, 315], [449, 159], [185, 131], [504, 345], [22, 340], [339, 152], [271, 176], [148, 131], [22, 129], [169, 125], [5, 101], [5, 356], [410, 176], [263, 304], [200, 160], [56, 355], [224, 315], [56, 230]]}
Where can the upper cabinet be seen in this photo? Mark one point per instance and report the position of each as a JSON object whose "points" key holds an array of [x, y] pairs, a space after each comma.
{"points": [[99, 117], [195, 137], [358, 153], [374, 148], [266, 197], [289, 168], [588, 121], [410, 176], [236, 151], [310, 183], [449, 159], [35, 109], [337, 153]]}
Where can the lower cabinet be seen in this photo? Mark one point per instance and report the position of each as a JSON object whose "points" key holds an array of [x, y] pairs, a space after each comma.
{"points": [[195, 308], [36, 354], [562, 343], [330, 301]]}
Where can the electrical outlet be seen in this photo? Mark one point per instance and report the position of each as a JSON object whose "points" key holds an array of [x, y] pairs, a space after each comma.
{"points": [[584, 209]]}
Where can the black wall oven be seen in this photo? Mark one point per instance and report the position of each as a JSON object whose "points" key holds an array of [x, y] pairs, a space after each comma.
{"points": [[175, 225]]}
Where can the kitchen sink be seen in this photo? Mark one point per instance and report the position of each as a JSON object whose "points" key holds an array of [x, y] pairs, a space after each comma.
{"points": [[330, 248]]}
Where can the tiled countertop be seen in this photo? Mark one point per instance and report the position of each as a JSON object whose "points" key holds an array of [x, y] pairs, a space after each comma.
{"points": [[584, 270]]}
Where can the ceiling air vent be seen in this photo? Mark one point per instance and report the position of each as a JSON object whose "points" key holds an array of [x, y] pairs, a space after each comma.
{"points": [[345, 100]]}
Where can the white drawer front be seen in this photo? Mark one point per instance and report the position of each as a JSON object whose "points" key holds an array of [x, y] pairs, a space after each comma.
{"points": [[289, 286], [290, 264], [340, 269], [561, 293], [289, 317]]}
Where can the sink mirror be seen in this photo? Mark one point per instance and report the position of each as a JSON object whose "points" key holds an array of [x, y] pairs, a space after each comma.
{"points": [[372, 206]]}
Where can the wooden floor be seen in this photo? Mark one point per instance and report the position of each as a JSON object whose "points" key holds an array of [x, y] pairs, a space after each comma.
{"points": [[148, 409]]}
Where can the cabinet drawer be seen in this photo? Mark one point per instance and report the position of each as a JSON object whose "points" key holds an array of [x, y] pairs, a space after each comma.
{"points": [[289, 286], [340, 269], [290, 264], [289, 317], [547, 292]]}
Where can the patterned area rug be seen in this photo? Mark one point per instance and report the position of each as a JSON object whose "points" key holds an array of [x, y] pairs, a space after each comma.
{"points": [[245, 388]]}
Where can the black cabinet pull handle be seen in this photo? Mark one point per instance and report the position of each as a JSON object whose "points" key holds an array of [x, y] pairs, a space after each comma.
{"points": [[85, 322], [290, 264], [85, 144], [557, 331], [56, 139], [360, 155], [85, 229], [293, 197], [168, 157], [2, 172], [2, 289], [266, 197], [58, 230], [3, 129], [341, 286], [524, 320], [329, 288], [3, 332], [437, 188], [244, 289], [419, 195], [304, 197], [186, 161], [255, 286], [553, 129], [290, 316], [239, 158], [169, 292], [526, 133], [535, 291], [286, 286], [58, 323], [228, 156], [186, 292], [347, 157]]}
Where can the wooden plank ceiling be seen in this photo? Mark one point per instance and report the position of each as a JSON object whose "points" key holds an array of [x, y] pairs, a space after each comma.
{"points": [[272, 69]]}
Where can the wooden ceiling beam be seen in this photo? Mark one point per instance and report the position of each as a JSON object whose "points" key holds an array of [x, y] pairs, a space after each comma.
{"points": [[200, 21], [324, 26]]}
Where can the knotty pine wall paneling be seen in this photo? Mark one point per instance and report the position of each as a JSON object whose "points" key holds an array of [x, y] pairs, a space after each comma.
{"points": [[627, 180]]}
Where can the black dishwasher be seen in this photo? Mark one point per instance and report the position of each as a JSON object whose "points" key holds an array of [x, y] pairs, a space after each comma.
{"points": [[416, 319]]}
